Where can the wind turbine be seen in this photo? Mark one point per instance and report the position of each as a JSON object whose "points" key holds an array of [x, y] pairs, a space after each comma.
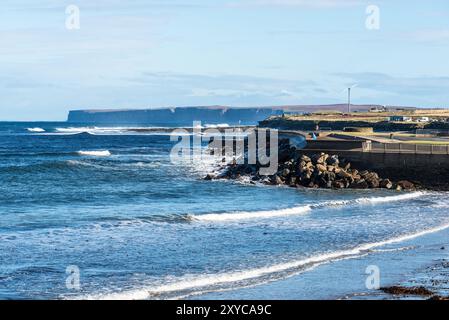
{"points": [[349, 96]]}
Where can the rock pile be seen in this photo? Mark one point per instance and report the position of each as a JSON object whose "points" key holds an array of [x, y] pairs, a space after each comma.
{"points": [[317, 171]]}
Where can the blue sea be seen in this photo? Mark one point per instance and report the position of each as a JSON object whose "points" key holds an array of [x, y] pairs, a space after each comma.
{"points": [[109, 203]]}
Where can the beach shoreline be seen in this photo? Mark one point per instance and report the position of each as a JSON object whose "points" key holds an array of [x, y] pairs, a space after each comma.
{"points": [[411, 263]]}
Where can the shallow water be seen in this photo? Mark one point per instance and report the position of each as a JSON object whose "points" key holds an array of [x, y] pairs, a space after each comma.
{"points": [[137, 226]]}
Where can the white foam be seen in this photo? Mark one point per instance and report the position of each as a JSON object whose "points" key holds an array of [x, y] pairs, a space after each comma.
{"points": [[247, 215], [405, 196], [243, 215], [35, 130], [111, 130], [206, 282], [98, 153], [219, 125]]}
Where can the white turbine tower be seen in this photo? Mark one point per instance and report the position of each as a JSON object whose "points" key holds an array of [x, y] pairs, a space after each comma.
{"points": [[349, 96]]}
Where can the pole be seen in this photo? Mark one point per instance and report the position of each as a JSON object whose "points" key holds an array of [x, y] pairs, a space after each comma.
{"points": [[349, 100]]}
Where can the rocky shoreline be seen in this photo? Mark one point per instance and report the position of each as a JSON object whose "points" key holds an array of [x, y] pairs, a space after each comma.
{"points": [[320, 170], [430, 284]]}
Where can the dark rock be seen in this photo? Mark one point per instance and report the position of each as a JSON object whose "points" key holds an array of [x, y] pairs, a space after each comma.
{"points": [[398, 290], [359, 184], [338, 184], [333, 161], [386, 184], [343, 174], [276, 180], [209, 177], [406, 185], [292, 181], [439, 298], [285, 172], [373, 183], [363, 173]]}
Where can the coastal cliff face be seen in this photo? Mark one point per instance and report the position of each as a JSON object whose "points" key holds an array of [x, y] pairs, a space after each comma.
{"points": [[184, 116], [174, 116]]}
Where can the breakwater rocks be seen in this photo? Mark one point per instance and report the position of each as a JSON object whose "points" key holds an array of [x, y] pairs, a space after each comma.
{"points": [[321, 170]]}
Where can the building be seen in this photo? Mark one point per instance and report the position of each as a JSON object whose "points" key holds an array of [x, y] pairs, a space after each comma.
{"points": [[378, 109], [423, 119], [399, 119]]}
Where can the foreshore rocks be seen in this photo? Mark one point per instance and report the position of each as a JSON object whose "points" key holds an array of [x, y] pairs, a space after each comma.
{"points": [[417, 291], [321, 170]]}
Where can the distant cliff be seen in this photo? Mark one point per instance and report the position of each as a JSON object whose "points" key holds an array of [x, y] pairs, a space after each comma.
{"points": [[186, 115], [175, 116]]}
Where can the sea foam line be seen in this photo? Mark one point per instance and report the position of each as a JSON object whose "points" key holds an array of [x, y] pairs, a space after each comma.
{"points": [[247, 215], [35, 130], [205, 282], [244, 215], [97, 153]]}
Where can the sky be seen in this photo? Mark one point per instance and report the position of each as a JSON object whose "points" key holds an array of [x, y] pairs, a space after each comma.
{"points": [[166, 53]]}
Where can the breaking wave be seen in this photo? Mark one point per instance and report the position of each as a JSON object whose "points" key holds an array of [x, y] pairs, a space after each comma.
{"points": [[97, 153], [35, 130], [251, 215], [246, 215], [191, 285]]}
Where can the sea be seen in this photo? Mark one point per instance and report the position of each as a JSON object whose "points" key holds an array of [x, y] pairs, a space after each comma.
{"points": [[104, 213]]}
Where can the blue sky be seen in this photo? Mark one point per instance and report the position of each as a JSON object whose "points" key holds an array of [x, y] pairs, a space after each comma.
{"points": [[148, 53]]}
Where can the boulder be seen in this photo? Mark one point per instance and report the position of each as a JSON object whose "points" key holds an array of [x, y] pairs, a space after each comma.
{"points": [[344, 174], [321, 167], [339, 184], [360, 184], [386, 184], [363, 173], [210, 176], [292, 181], [406, 185], [333, 160], [305, 158], [285, 172], [373, 183]]}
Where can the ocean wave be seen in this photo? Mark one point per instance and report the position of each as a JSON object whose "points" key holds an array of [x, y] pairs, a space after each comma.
{"points": [[114, 130], [219, 125], [298, 210], [95, 153], [245, 215], [35, 130], [91, 130], [400, 197], [191, 285], [370, 200]]}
